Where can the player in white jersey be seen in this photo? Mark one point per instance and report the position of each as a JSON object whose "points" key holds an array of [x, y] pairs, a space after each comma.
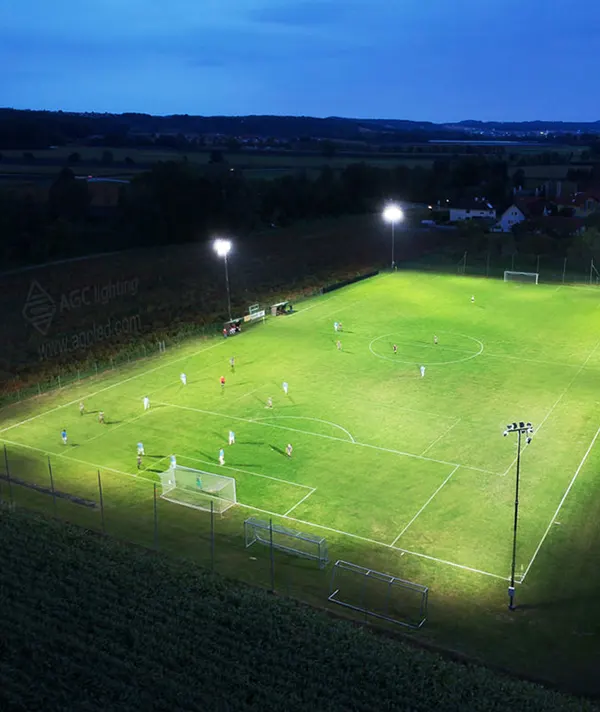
{"points": [[335, 325], [473, 299], [435, 340], [172, 462], [231, 437], [146, 402], [140, 448], [289, 449], [269, 402], [183, 379], [285, 387], [422, 371], [221, 456]]}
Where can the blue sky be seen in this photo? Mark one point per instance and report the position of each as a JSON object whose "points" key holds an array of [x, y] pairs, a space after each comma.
{"points": [[436, 60]]}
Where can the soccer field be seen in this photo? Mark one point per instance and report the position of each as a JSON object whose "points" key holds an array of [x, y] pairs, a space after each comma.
{"points": [[409, 464]]}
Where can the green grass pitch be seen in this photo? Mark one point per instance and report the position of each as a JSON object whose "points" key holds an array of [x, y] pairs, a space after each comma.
{"points": [[408, 465]]}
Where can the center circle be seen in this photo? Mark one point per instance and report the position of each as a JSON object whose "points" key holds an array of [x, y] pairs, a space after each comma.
{"points": [[452, 347]]}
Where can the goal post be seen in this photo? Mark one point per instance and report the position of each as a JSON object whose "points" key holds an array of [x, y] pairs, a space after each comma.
{"points": [[198, 489], [290, 541], [377, 594], [528, 277]]}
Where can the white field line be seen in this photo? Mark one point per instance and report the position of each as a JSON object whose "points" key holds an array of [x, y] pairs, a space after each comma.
{"points": [[558, 400], [114, 385], [373, 541], [301, 417], [74, 459], [562, 501], [107, 431], [247, 472], [306, 496], [424, 506], [436, 441], [266, 511], [439, 347], [327, 437]]}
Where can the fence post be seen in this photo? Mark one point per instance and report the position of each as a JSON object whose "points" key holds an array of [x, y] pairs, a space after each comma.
{"points": [[155, 520], [537, 269], [212, 535], [564, 269], [10, 496], [272, 556], [487, 265], [78, 375], [96, 365], [52, 487], [59, 381], [101, 503], [39, 389]]}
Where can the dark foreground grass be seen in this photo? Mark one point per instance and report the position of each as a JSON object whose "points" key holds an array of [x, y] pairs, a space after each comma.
{"points": [[402, 474], [89, 624]]}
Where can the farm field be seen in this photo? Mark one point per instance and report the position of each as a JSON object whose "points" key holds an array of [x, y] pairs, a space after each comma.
{"points": [[404, 474]]}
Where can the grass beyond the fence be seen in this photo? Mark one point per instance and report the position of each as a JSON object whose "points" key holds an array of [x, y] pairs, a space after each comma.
{"points": [[404, 474]]}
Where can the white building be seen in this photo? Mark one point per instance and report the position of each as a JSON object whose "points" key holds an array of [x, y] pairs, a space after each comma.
{"points": [[478, 209], [512, 216]]}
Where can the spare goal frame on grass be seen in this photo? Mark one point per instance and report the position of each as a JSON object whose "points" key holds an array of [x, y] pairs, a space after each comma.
{"points": [[391, 593], [528, 277], [198, 489], [308, 546]]}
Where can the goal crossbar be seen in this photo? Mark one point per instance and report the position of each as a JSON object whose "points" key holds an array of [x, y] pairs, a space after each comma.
{"points": [[512, 276]]}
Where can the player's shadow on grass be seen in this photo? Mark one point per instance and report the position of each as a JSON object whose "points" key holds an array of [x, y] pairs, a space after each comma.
{"points": [[278, 450], [250, 442]]}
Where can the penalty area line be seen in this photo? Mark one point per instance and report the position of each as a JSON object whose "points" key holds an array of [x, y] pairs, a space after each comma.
{"points": [[425, 505], [306, 496], [562, 501]]}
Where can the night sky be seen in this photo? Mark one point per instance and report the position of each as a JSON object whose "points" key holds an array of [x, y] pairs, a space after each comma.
{"points": [[436, 60]]}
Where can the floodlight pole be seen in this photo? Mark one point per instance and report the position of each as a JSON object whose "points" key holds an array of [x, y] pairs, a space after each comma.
{"points": [[227, 284], [393, 243], [519, 428], [511, 590]]}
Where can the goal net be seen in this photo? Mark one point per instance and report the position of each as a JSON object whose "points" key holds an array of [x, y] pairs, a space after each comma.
{"points": [[531, 277], [288, 540], [377, 594], [198, 489]]}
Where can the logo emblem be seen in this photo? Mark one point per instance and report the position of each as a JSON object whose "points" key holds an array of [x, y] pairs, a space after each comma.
{"points": [[39, 308]]}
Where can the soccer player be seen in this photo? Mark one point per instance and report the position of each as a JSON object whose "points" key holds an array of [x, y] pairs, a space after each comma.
{"points": [[224, 333], [221, 456], [183, 379], [222, 381], [336, 326], [473, 299], [269, 402], [198, 482], [101, 417], [172, 462], [422, 371], [140, 448], [139, 462], [435, 340], [338, 344], [232, 363], [146, 402], [63, 435], [340, 326], [81, 408], [289, 449], [231, 437], [395, 349], [285, 387]]}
